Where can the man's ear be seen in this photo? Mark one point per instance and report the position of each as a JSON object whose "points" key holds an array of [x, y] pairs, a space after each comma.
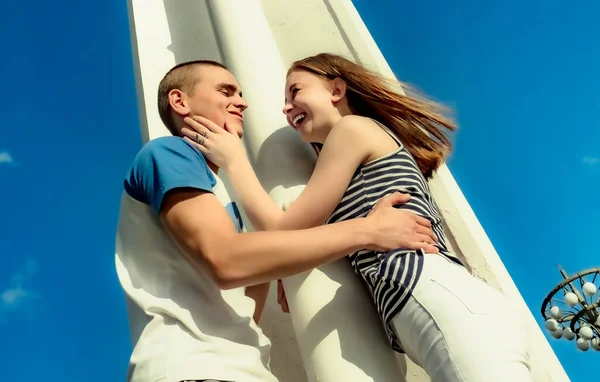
{"points": [[178, 102], [338, 89]]}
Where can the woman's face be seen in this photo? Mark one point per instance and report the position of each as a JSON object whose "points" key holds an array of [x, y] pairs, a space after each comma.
{"points": [[310, 105]]}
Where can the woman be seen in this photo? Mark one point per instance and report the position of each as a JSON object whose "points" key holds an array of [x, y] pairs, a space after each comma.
{"points": [[371, 140]]}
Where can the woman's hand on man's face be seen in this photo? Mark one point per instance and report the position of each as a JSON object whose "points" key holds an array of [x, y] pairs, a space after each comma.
{"points": [[219, 145]]}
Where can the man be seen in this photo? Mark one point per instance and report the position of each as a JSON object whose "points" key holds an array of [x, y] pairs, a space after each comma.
{"points": [[182, 257]]}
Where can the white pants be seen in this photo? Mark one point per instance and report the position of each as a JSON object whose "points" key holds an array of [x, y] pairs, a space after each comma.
{"points": [[458, 328]]}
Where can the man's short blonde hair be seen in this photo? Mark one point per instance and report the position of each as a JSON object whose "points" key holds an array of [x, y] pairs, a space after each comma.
{"points": [[184, 77]]}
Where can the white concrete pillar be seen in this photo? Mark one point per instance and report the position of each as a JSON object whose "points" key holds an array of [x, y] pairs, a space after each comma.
{"points": [[163, 34], [338, 331]]}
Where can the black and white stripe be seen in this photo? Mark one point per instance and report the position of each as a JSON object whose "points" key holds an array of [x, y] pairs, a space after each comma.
{"points": [[390, 276]]}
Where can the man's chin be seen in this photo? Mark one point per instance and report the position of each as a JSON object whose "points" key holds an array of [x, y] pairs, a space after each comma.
{"points": [[237, 129]]}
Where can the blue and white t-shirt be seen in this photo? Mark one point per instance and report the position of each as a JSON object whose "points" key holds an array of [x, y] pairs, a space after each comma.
{"points": [[183, 326]]}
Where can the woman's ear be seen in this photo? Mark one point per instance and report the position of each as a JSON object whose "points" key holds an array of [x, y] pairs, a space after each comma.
{"points": [[338, 90], [178, 102]]}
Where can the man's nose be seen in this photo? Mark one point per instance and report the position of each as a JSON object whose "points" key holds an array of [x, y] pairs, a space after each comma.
{"points": [[240, 103]]}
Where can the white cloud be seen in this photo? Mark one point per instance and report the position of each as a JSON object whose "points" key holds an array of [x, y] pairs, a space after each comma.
{"points": [[17, 295], [11, 297], [5, 157], [591, 160]]}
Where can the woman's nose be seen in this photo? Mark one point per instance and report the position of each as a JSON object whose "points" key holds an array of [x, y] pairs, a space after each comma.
{"points": [[287, 108]]}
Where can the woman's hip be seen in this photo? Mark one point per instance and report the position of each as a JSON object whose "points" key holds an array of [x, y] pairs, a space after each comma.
{"points": [[456, 326]]}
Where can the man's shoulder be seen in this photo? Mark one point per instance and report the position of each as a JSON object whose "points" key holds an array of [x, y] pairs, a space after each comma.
{"points": [[164, 164], [169, 149]]}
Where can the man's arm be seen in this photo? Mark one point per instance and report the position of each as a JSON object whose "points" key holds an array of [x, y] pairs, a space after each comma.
{"points": [[174, 180], [203, 230]]}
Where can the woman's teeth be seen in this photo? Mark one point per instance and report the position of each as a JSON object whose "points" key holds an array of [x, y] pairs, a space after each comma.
{"points": [[298, 119]]}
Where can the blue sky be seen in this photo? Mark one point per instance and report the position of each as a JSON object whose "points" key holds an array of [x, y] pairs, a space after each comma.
{"points": [[522, 78], [69, 130]]}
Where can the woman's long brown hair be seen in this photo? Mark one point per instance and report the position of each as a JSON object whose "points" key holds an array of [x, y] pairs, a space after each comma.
{"points": [[420, 124]]}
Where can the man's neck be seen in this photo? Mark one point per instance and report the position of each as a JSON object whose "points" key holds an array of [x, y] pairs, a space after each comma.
{"points": [[212, 166]]}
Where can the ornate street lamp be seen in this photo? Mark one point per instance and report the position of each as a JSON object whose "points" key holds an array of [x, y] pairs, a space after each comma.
{"points": [[571, 309]]}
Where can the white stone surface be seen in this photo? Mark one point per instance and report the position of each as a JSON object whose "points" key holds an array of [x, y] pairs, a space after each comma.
{"points": [[338, 332], [164, 34], [171, 31]]}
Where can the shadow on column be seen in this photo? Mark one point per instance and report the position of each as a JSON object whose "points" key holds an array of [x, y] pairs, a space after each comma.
{"points": [[282, 157], [277, 155], [321, 325], [192, 33]]}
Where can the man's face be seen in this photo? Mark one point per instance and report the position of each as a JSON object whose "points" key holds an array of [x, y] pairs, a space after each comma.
{"points": [[218, 97]]}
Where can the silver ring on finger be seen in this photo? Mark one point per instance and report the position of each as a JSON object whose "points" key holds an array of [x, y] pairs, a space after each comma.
{"points": [[200, 139]]}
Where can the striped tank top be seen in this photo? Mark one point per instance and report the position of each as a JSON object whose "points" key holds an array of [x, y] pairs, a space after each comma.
{"points": [[390, 276]]}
